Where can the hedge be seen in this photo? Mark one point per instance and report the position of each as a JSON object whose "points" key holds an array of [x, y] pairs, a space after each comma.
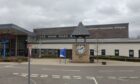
{"points": [[14, 59], [119, 58]]}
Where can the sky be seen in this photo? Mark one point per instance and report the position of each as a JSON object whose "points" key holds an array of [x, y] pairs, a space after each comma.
{"points": [[31, 14]]}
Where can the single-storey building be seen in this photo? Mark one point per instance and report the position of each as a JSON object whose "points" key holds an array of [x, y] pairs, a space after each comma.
{"points": [[106, 39]]}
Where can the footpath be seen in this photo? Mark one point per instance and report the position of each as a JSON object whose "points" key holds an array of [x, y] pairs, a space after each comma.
{"points": [[69, 63], [59, 62]]}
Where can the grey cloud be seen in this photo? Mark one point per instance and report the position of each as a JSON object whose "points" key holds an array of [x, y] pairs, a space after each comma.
{"points": [[48, 13]]}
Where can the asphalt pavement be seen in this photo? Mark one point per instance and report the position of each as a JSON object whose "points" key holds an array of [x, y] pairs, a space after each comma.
{"points": [[60, 73]]}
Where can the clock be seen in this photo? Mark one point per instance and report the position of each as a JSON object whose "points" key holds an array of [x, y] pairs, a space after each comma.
{"points": [[80, 49]]}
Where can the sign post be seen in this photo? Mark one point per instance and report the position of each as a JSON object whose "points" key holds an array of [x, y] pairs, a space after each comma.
{"points": [[29, 67]]}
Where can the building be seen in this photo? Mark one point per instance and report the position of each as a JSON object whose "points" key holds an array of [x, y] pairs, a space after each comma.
{"points": [[96, 31], [13, 40], [107, 39]]}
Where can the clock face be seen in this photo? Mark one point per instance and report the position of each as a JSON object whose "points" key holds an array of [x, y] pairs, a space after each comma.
{"points": [[80, 49]]}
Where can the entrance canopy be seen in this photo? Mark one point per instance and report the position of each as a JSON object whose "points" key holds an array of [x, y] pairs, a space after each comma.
{"points": [[13, 29]]}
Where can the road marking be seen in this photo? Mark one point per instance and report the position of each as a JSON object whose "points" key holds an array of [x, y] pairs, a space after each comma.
{"points": [[105, 70], [33, 81], [55, 76], [8, 66], [24, 74], [135, 77], [95, 80], [70, 70], [112, 77], [59, 70], [34, 75], [116, 71], [15, 73], [77, 77], [123, 77], [66, 77], [48, 69], [43, 76]]}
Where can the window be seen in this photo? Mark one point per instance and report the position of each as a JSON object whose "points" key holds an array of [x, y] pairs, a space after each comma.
{"points": [[91, 52], [46, 36], [103, 52], [116, 52], [139, 53], [131, 53], [69, 36]]}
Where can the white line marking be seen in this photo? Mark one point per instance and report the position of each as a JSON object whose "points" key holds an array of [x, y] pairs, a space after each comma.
{"points": [[24, 74], [77, 77], [66, 77], [70, 70], [116, 71], [135, 77], [106, 71], [58, 70], [43, 76], [34, 75], [55, 76], [33, 81], [95, 80], [8, 66], [15, 73], [123, 77], [48, 69], [111, 77]]}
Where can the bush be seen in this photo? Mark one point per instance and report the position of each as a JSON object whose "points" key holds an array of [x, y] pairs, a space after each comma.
{"points": [[119, 58]]}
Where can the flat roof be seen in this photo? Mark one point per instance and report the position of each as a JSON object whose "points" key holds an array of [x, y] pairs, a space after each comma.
{"points": [[14, 29]]}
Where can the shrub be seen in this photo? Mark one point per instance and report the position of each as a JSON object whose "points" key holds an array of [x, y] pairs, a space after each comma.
{"points": [[119, 58], [14, 59]]}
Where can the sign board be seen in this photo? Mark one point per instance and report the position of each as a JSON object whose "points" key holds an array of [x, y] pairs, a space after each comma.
{"points": [[63, 52], [29, 46]]}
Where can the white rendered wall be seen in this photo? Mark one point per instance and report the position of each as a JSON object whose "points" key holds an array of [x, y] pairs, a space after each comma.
{"points": [[110, 48], [122, 47]]}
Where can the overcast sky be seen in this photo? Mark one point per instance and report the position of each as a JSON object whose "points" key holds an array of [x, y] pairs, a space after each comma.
{"points": [[31, 14]]}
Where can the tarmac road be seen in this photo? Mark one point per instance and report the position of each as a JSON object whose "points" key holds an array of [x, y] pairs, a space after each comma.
{"points": [[53, 74]]}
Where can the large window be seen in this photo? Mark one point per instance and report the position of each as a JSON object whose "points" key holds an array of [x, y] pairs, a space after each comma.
{"points": [[116, 52], [103, 52], [131, 53]]}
